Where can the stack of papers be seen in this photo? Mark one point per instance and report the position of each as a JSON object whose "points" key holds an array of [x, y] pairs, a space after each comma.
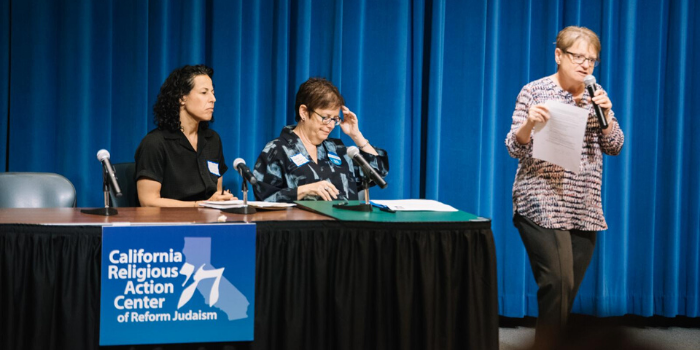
{"points": [[560, 140], [413, 205], [237, 203]]}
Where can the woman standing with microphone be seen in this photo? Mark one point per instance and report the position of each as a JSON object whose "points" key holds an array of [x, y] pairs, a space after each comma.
{"points": [[557, 212]]}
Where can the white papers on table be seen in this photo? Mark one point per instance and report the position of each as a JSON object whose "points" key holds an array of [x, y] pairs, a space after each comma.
{"points": [[560, 140], [237, 203], [413, 205]]}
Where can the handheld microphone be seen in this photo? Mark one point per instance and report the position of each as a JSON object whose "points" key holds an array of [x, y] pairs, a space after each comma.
{"points": [[354, 153], [590, 86], [103, 157], [239, 165]]}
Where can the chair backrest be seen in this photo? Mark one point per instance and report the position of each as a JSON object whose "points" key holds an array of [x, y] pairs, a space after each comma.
{"points": [[35, 190], [126, 178]]}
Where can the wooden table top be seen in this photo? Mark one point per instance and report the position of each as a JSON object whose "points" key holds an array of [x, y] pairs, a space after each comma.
{"points": [[148, 215]]}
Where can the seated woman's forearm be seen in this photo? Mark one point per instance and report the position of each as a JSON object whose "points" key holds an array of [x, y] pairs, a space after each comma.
{"points": [[149, 195], [363, 144], [167, 203]]}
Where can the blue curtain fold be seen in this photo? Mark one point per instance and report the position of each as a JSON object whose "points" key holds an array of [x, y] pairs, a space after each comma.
{"points": [[433, 82], [4, 80]]}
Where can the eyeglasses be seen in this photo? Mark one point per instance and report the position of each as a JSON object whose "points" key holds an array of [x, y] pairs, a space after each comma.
{"points": [[579, 59], [327, 120]]}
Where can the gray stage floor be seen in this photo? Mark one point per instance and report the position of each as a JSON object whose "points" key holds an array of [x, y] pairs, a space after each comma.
{"points": [[666, 338]]}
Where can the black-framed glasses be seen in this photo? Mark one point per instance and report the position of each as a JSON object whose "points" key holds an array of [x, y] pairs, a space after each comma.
{"points": [[579, 59], [327, 120]]}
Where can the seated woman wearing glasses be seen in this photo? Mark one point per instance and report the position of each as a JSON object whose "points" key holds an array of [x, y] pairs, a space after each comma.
{"points": [[303, 163], [556, 211]]}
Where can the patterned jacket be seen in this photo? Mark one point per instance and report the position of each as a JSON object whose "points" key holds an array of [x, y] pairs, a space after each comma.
{"points": [[284, 164], [546, 193]]}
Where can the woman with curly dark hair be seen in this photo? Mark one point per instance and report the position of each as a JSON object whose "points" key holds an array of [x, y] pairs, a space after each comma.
{"points": [[182, 162]]}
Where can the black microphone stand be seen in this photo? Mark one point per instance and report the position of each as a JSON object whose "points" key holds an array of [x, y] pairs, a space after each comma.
{"points": [[362, 206], [106, 211], [246, 209]]}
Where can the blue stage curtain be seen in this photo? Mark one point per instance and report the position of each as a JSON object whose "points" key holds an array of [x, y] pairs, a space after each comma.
{"points": [[4, 80], [433, 82]]}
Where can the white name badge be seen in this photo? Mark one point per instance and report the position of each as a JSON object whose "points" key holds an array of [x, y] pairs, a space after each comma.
{"points": [[213, 167], [299, 159]]}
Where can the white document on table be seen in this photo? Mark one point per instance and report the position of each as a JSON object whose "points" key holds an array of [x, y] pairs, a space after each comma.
{"points": [[560, 140], [413, 205], [237, 203]]}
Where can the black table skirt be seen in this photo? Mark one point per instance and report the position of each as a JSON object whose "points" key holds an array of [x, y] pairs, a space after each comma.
{"points": [[319, 285]]}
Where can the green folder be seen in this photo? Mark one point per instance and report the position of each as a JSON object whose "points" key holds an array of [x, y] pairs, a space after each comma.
{"points": [[326, 208]]}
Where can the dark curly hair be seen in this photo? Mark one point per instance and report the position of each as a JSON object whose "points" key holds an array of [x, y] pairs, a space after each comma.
{"points": [[179, 83], [317, 93]]}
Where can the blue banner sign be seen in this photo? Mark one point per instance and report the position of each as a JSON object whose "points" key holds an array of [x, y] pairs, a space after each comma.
{"points": [[177, 284]]}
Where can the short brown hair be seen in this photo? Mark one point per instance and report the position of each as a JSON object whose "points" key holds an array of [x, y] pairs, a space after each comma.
{"points": [[569, 35], [317, 93]]}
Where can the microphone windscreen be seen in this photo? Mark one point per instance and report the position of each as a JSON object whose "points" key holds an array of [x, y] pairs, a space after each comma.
{"points": [[238, 162], [353, 151], [102, 155], [589, 80]]}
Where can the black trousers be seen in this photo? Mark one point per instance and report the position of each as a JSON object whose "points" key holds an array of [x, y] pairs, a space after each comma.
{"points": [[559, 260]]}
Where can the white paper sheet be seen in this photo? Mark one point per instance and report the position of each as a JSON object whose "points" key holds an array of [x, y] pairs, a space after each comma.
{"points": [[560, 140], [413, 205], [237, 203]]}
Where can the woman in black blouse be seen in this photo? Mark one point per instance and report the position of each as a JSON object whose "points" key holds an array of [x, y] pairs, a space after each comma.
{"points": [[182, 161], [303, 163]]}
